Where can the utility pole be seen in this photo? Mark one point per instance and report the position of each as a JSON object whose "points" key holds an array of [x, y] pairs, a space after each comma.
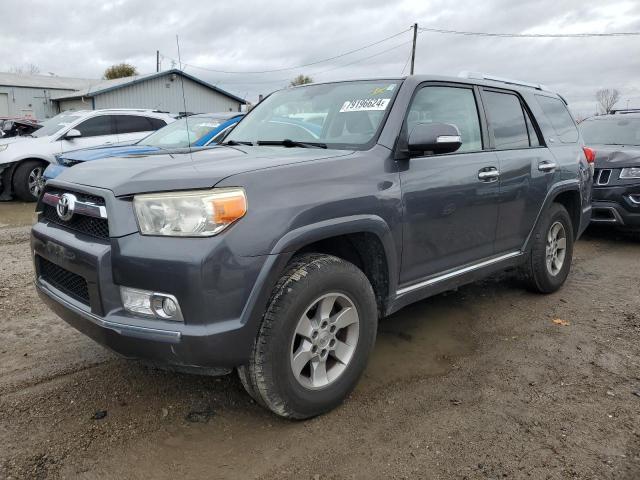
{"points": [[157, 60], [413, 50]]}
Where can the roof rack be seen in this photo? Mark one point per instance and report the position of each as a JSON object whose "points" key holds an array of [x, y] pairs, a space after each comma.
{"points": [[493, 78], [625, 110]]}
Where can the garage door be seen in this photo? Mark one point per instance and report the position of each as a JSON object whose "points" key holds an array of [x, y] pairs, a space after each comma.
{"points": [[4, 104]]}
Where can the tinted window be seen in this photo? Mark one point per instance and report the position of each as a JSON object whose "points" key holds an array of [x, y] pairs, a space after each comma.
{"points": [[96, 126], [507, 120], [452, 105], [156, 123], [613, 130], [132, 124], [559, 117]]}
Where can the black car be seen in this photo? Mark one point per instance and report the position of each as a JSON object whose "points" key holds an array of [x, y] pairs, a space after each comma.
{"points": [[615, 142], [328, 207]]}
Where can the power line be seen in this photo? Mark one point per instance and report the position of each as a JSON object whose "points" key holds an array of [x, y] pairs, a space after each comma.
{"points": [[244, 72], [530, 35]]}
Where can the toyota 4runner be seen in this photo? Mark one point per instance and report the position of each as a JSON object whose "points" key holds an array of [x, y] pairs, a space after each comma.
{"points": [[327, 208]]}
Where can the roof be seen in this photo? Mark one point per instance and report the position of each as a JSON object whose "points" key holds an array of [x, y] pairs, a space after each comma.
{"points": [[104, 86], [44, 81]]}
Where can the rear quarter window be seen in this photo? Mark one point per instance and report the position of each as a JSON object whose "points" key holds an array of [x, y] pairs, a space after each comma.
{"points": [[559, 117]]}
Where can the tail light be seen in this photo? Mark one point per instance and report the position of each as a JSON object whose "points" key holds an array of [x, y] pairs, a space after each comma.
{"points": [[590, 154]]}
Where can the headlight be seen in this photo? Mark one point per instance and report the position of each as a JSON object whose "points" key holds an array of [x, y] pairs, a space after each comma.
{"points": [[3, 147], [200, 213], [631, 172]]}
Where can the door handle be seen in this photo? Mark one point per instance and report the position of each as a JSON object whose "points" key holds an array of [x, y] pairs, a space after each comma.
{"points": [[489, 174], [547, 166]]}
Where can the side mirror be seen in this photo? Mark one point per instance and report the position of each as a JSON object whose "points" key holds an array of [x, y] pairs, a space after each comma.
{"points": [[73, 133], [434, 137]]}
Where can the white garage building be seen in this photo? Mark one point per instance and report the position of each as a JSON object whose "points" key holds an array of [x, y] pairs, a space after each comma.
{"points": [[42, 97]]}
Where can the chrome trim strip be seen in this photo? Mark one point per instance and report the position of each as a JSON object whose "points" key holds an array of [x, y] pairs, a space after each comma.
{"points": [[635, 199], [88, 209], [128, 330], [616, 216], [455, 273]]}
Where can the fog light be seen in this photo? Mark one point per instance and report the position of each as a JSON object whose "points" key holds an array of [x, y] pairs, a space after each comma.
{"points": [[150, 304]]}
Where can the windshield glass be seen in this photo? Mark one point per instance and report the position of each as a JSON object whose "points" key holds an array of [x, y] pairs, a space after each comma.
{"points": [[182, 132], [346, 114], [55, 124], [615, 130]]}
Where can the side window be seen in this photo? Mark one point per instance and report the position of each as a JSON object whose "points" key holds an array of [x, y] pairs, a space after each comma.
{"points": [[452, 105], [506, 119], [132, 124], [96, 126], [156, 123], [559, 117], [534, 140]]}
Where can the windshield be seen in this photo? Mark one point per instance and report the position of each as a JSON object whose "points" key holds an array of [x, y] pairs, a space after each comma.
{"points": [[182, 132], [55, 124], [615, 130], [346, 115]]}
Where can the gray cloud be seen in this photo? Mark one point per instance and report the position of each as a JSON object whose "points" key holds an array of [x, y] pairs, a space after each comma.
{"points": [[72, 38]]}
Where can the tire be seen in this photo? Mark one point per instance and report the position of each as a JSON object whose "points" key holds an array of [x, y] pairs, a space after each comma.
{"points": [[538, 274], [23, 180], [331, 301]]}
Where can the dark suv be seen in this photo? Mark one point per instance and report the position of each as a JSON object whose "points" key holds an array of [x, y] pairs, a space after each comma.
{"points": [[327, 208], [615, 143]]}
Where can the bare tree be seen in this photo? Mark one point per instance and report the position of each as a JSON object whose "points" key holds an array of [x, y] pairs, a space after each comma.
{"points": [[301, 80], [26, 69], [607, 98]]}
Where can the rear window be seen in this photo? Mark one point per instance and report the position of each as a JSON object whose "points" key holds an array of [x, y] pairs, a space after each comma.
{"points": [[556, 112], [507, 120], [133, 124]]}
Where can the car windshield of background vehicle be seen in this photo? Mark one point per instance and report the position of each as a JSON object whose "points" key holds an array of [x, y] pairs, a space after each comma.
{"points": [[181, 133], [338, 115], [55, 124], [615, 130]]}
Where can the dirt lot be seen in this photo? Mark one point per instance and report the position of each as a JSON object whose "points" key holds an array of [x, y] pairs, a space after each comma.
{"points": [[478, 383]]}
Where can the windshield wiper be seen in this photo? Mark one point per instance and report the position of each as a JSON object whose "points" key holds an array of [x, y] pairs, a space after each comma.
{"points": [[232, 143], [292, 143]]}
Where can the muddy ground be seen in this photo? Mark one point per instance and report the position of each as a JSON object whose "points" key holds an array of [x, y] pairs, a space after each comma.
{"points": [[473, 384]]}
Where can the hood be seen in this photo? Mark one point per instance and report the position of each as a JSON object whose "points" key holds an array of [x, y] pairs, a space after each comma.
{"points": [[201, 169], [616, 156], [19, 138], [88, 154]]}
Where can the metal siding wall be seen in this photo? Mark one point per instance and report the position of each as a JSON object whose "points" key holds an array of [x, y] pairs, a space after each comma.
{"points": [[40, 100], [156, 94], [75, 104]]}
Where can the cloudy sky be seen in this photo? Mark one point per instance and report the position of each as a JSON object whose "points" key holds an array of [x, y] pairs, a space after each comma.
{"points": [[82, 38]]}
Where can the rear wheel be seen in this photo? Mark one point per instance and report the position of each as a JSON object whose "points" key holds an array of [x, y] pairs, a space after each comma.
{"points": [[549, 262], [315, 338], [28, 181]]}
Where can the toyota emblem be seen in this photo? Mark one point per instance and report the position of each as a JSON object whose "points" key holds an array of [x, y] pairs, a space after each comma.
{"points": [[66, 206]]}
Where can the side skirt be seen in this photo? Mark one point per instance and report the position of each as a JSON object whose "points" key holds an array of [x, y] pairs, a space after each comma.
{"points": [[451, 279]]}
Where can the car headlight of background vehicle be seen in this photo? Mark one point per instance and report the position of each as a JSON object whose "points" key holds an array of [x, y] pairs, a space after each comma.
{"points": [[631, 172], [198, 213], [3, 147]]}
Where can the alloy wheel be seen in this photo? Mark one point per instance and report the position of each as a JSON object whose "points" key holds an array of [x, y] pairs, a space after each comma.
{"points": [[556, 248]]}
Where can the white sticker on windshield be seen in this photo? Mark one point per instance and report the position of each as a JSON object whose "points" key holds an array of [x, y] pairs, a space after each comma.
{"points": [[366, 104]]}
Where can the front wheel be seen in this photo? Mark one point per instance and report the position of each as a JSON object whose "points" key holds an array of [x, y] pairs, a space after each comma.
{"points": [[315, 338], [28, 181], [549, 262]]}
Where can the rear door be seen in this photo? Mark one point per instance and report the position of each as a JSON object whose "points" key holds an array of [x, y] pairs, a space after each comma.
{"points": [[450, 206], [526, 167], [131, 128], [98, 130]]}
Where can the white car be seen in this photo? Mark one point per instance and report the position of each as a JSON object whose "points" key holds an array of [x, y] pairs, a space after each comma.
{"points": [[24, 159]]}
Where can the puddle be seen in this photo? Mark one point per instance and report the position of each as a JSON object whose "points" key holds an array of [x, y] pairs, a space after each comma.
{"points": [[16, 214]]}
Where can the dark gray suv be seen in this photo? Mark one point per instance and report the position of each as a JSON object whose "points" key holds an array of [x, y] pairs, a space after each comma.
{"points": [[327, 208]]}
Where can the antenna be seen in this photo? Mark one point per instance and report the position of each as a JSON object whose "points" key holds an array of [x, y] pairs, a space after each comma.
{"points": [[184, 100]]}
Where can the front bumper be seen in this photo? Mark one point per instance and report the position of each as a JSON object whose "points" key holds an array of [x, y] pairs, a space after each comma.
{"points": [[617, 206], [216, 290]]}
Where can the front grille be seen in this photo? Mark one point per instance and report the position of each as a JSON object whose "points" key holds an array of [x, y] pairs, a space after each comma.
{"points": [[603, 176], [95, 227], [68, 282]]}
